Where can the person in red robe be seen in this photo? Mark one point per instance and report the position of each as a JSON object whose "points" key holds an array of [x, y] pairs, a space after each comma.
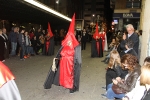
{"points": [[8, 87], [49, 43], [96, 46], [67, 63]]}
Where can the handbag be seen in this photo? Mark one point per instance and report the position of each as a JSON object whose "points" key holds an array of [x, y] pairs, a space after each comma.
{"points": [[117, 89]]}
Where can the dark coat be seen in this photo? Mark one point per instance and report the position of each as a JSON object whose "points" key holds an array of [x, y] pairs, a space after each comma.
{"points": [[146, 95], [94, 52], [84, 37], [131, 51], [50, 49], [20, 36], [131, 79], [2, 47], [135, 39], [13, 37]]}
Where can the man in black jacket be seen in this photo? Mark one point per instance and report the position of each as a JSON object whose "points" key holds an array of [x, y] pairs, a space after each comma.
{"points": [[132, 36]]}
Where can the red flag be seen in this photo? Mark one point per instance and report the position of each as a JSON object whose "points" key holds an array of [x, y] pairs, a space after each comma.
{"points": [[49, 30]]}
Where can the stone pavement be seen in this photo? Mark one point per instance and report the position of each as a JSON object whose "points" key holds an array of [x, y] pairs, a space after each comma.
{"points": [[31, 74]]}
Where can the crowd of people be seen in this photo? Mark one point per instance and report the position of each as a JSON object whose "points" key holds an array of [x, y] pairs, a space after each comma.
{"points": [[126, 79]]}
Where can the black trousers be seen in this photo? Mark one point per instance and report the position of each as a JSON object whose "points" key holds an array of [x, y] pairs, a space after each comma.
{"points": [[83, 44], [110, 74]]}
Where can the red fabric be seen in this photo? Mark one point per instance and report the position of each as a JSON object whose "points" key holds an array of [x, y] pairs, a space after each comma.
{"points": [[67, 55], [5, 74], [97, 46], [96, 34], [49, 30], [31, 35], [47, 45], [66, 67], [103, 39]]}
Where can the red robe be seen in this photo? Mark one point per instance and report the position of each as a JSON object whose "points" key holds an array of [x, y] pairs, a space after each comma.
{"points": [[102, 36], [67, 62], [66, 67], [5, 74]]}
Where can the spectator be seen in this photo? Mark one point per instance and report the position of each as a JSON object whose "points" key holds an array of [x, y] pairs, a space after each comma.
{"points": [[28, 48], [132, 36], [2, 46], [83, 39], [127, 84], [21, 40], [144, 80], [13, 40], [6, 51]]}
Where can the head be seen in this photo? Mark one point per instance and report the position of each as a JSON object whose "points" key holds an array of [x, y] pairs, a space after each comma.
{"points": [[43, 31], [34, 37], [140, 32], [147, 60], [129, 61], [130, 29], [15, 29], [39, 30], [145, 75], [4, 30], [1, 31], [26, 33], [113, 40], [129, 44], [84, 30], [22, 31], [114, 59]]}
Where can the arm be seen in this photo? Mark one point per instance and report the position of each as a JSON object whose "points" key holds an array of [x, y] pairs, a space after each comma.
{"points": [[128, 86]]}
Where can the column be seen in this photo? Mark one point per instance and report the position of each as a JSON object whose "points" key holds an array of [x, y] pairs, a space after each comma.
{"points": [[120, 27], [145, 19]]}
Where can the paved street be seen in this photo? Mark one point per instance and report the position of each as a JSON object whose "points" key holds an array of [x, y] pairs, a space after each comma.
{"points": [[31, 74]]}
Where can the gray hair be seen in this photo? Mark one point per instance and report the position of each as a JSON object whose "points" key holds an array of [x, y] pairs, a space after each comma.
{"points": [[130, 26]]}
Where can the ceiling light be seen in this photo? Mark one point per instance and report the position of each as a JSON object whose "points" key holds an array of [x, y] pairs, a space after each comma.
{"points": [[35, 3]]}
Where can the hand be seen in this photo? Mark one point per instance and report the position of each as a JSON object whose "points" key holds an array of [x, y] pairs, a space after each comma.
{"points": [[118, 79], [124, 36], [124, 98], [115, 81]]}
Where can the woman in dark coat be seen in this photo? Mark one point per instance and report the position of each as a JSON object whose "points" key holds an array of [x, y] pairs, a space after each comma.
{"points": [[2, 46]]}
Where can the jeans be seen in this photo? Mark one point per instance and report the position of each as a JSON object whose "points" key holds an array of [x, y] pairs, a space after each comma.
{"points": [[22, 51], [29, 50], [13, 48], [111, 95]]}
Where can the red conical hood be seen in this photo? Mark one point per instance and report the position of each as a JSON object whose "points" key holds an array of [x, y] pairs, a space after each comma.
{"points": [[70, 35], [5, 74], [49, 30], [72, 24], [96, 32]]}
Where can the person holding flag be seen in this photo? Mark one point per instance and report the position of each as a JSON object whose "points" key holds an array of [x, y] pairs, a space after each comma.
{"points": [[49, 43], [96, 45]]}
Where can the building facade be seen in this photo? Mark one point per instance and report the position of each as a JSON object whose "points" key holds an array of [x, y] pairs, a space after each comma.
{"points": [[93, 11], [127, 12]]}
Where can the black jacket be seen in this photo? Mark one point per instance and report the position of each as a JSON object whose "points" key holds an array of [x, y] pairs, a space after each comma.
{"points": [[146, 95], [131, 79], [134, 37]]}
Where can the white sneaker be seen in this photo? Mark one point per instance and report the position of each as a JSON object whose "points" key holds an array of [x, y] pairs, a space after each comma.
{"points": [[3, 61]]}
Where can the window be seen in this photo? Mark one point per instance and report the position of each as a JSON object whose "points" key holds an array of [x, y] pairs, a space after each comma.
{"points": [[133, 4]]}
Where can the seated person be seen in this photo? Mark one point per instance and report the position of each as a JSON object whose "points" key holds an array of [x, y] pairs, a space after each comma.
{"points": [[128, 83], [138, 91], [129, 48], [114, 68]]}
